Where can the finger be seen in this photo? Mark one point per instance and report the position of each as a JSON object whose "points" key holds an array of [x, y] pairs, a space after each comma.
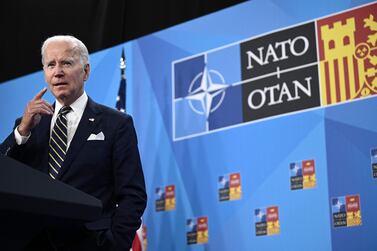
{"points": [[34, 108], [45, 103], [40, 94], [47, 108], [39, 110]]}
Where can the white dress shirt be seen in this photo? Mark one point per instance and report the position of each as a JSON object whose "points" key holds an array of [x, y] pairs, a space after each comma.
{"points": [[73, 119]]}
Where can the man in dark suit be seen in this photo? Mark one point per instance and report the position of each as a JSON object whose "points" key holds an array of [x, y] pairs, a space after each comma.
{"points": [[84, 144]]}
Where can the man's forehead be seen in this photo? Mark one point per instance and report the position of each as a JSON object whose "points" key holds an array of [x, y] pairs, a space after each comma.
{"points": [[61, 47], [52, 58], [58, 54]]}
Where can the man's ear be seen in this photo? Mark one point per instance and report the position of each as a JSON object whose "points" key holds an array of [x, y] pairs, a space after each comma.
{"points": [[86, 72]]}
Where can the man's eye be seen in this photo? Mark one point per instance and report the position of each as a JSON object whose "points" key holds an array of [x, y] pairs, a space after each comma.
{"points": [[67, 63]]}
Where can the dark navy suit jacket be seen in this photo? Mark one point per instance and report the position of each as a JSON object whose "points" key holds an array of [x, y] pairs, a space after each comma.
{"points": [[108, 169]]}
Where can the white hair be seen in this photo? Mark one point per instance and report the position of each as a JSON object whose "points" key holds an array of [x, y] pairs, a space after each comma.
{"points": [[78, 46]]}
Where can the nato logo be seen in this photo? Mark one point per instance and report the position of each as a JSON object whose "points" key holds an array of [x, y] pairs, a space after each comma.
{"points": [[243, 82], [206, 96]]}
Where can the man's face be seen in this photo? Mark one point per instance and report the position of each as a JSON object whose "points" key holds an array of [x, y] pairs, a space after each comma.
{"points": [[64, 72]]}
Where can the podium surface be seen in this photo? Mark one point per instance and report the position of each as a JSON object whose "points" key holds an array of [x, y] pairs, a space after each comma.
{"points": [[31, 200]]}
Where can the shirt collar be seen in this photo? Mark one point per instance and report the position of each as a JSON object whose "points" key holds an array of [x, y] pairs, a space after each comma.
{"points": [[78, 106]]}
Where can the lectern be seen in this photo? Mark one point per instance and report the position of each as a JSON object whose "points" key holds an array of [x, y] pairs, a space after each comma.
{"points": [[31, 200]]}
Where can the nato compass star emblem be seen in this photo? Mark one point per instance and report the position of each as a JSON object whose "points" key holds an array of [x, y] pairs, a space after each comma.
{"points": [[260, 215], [295, 168], [338, 205], [206, 95]]}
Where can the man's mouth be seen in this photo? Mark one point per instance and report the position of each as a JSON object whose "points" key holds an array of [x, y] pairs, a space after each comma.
{"points": [[59, 84]]}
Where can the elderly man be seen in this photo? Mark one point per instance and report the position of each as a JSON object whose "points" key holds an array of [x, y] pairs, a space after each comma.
{"points": [[84, 144]]}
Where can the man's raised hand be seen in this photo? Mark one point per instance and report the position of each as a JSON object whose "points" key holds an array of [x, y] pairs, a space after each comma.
{"points": [[33, 112]]}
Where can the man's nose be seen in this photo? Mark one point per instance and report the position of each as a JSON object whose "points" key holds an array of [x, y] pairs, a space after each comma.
{"points": [[58, 71]]}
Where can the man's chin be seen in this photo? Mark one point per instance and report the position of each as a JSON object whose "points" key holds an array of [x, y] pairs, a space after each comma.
{"points": [[61, 96]]}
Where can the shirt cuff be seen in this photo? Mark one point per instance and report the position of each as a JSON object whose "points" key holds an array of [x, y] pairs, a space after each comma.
{"points": [[20, 140]]}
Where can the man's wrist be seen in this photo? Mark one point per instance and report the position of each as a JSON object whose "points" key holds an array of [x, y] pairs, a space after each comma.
{"points": [[20, 139], [23, 131]]}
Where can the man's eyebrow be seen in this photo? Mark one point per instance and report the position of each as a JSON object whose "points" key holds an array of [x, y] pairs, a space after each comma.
{"points": [[49, 61], [68, 59]]}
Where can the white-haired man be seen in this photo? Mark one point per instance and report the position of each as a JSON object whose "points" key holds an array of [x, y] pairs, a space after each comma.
{"points": [[84, 144]]}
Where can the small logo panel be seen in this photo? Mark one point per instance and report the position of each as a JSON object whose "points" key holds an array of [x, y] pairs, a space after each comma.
{"points": [[267, 221], [197, 230], [165, 198], [302, 174], [229, 187], [346, 211]]}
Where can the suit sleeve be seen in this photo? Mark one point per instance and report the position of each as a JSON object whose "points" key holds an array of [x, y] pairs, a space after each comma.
{"points": [[9, 146], [129, 186]]}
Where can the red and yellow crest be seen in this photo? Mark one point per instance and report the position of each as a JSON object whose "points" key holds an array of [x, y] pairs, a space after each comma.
{"points": [[348, 55]]}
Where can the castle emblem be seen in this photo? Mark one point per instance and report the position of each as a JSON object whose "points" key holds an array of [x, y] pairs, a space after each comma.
{"points": [[348, 56]]}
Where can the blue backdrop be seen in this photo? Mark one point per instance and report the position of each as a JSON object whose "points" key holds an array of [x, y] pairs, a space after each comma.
{"points": [[256, 125]]}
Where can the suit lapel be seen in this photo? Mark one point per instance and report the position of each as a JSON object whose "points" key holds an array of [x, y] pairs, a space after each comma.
{"points": [[43, 132], [89, 120]]}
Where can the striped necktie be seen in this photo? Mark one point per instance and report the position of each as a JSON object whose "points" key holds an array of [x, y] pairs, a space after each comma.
{"points": [[58, 142]]}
